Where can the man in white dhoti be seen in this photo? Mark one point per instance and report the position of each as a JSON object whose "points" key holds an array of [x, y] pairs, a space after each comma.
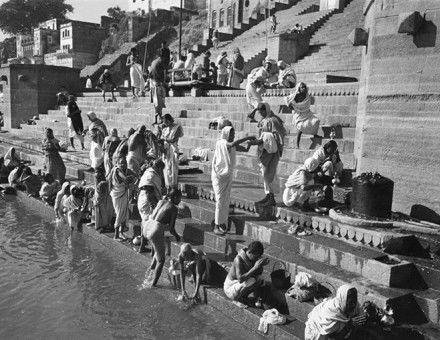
{"points": [[136, 73], [222, 174], [170, 135], [270, 149]]}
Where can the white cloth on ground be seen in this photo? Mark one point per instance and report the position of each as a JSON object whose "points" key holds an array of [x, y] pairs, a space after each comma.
{"points": [[270, 317]]}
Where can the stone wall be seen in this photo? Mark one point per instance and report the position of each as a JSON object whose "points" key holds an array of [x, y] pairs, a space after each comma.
{"points": [[30, 90], [399, 102], [72, 59]]}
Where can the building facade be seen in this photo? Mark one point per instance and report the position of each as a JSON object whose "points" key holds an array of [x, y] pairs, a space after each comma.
{"points": [[147, 5], [25, 46]]}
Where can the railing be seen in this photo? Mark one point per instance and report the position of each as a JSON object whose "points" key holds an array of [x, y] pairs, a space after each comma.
{"points": [[181, 74]]}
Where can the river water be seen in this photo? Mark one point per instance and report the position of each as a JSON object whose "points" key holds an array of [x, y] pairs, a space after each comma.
{"points": [[58, 285]]}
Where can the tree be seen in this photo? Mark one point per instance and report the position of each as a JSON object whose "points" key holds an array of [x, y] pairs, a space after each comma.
{"points": [[21, 16], [116, 13]]}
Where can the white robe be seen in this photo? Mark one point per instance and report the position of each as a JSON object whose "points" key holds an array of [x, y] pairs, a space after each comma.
{"points": [[223, 164]]}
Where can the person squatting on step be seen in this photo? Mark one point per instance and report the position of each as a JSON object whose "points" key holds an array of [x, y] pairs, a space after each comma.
{"points": [[335, 318], [303, 119], [196, 263], [300, 184], [162, 219], [270, 149], [244, 276], [256, 86], [170, 134], [150, 193], [74, 122], [53, 162], [222, 174], [157, 88], [120, 179], [49, 189]]}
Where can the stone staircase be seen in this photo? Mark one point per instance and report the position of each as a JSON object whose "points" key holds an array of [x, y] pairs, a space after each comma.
{"points": [[334, 254], [331, 53], [252, 41]]}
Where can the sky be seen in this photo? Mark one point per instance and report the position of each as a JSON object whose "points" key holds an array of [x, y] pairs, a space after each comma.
{"points": [[87, 10]]}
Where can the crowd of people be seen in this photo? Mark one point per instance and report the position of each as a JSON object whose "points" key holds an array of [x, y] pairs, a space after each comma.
{"points": [[141, 169]]}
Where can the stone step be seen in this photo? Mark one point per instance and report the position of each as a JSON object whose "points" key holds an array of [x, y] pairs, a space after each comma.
{"points": [[229, 245]]}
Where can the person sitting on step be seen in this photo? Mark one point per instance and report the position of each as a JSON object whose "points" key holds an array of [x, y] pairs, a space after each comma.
{"points": [[303, 119], [335, 318], [286, 76], [300, 184], [244, 276]]}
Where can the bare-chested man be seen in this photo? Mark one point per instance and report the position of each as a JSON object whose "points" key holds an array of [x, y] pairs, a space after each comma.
{"points": [[244, 277]]}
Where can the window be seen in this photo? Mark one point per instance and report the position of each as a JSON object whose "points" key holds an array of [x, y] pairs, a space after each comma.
{"points": [[229, 17], [214, 19], [222, 18]]}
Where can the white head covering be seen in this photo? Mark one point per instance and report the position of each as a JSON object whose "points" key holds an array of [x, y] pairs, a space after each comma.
{"points": [[225, 132], [91, 115], [311, 164], [185, 248], [325, 316], [281, 63]]}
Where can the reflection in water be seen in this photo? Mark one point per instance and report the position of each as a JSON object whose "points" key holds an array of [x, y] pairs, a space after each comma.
{"points": [[58, 284]]}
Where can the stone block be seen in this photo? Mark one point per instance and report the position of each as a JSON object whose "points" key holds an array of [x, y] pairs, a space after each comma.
{"points": [[410, 22], [388, 271]]}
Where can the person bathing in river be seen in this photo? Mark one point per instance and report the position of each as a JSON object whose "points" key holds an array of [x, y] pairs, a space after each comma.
{"points": [[49, 189], [74, 205], [244, 276], [150, 187], [109, 147], [194, 262], [303, 119], [120, 179], [162, 219], [222, 174], [103, 206], [60, 200]]}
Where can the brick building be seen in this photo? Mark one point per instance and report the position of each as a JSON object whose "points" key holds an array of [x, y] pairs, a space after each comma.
{"points": [[79, 44]]}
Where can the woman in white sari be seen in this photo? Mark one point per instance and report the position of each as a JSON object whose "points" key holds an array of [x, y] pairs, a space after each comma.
{"points": [[171, 133], [222, 174], [120, 179], [303, 119], [136, 74], [336, 317], [300, 184]]}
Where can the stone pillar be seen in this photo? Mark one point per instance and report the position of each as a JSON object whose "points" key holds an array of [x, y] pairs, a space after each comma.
{"points": [[288, 47], [397, 117], [331, 4]]}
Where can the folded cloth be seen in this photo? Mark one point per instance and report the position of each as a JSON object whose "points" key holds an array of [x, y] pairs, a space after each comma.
{"points": [[270, 317]]}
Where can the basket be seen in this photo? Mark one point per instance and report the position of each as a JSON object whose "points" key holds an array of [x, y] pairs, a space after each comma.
{"points": [[280, 277]]}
